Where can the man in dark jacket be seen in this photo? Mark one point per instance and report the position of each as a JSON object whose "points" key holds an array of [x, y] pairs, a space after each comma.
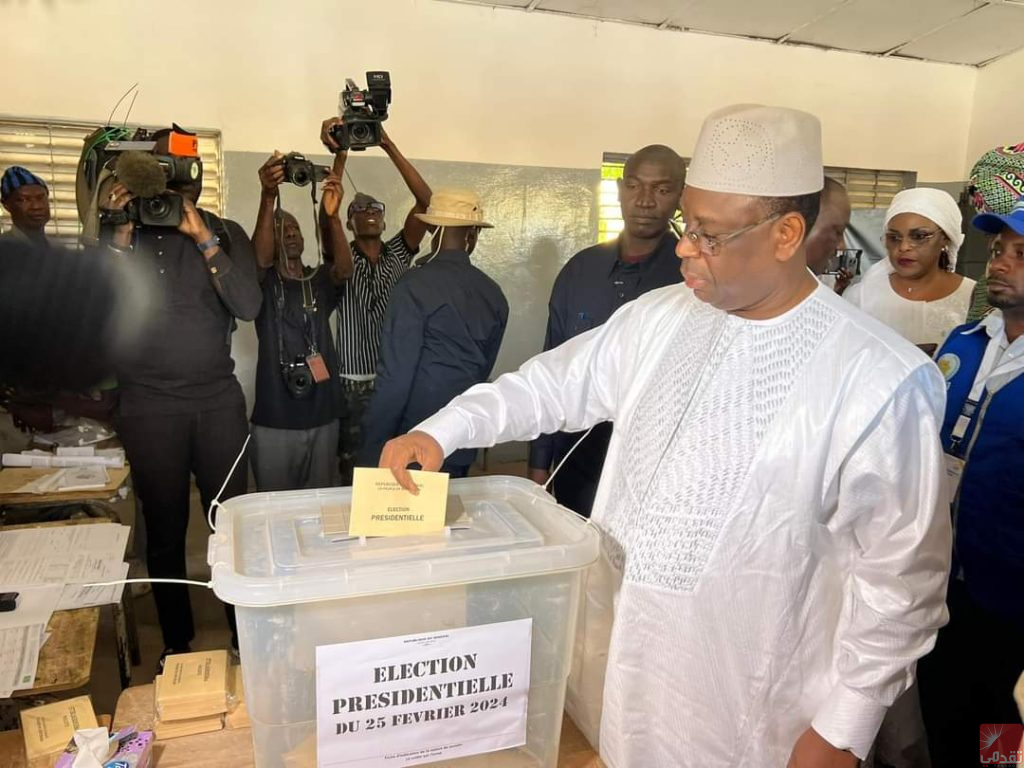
{"points": [[442, 331], [181, 411], [592, 286]]}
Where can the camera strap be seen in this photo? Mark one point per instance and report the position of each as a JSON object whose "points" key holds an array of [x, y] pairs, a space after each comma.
{"points": [[309, 310], [279, 231]]}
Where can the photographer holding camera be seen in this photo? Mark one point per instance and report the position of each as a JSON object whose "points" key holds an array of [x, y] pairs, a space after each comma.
{"points": [[181, 409], [377, 265], [298, 393]]}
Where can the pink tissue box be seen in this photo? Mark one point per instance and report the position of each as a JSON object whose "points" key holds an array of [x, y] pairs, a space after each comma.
{"points": [[134, 749]]}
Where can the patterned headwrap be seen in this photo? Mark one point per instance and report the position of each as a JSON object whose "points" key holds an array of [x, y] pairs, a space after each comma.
{"points": [[997, 179], [15, 178]]}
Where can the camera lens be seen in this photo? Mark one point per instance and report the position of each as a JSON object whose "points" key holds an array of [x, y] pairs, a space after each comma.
{"points": [[157, 207], [301, 177], [360, 132]]}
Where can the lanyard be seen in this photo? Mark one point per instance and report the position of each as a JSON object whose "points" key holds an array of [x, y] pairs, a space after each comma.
{"points": [[309, 309]]}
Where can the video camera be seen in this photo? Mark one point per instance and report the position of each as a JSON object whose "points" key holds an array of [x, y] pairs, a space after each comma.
{"points": [[300, 171], [363, 112], [146, 165]]}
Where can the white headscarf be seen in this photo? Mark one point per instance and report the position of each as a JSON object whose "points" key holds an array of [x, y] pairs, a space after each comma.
{"points": [[933, 204]]}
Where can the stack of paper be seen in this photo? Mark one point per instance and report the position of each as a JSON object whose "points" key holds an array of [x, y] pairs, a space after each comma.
{"points": [[48, 729], [238, 713], [192, 694], [87, 478], [49, 568]]}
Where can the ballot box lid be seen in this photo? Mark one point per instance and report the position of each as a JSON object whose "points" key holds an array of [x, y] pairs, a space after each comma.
{"points": [[271, 549]]}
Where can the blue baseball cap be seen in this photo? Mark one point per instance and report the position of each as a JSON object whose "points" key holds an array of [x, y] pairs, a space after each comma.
{"points": [[15, 178], [993, 223]]}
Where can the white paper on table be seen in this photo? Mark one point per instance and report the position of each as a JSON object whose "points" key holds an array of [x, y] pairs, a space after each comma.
{"points": [[83, 478], [44, 484], [65, 554], [63, 450], [106, 539], [19, 657], [35, 606], [85, 596]]}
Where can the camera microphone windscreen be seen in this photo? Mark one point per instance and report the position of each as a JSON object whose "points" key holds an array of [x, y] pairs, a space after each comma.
{"points": [[141, 173]]}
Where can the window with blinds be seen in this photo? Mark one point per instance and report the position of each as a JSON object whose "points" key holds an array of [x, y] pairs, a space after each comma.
{"points": [[871, 189], [51, 150], [867, 189], [609, 215]]}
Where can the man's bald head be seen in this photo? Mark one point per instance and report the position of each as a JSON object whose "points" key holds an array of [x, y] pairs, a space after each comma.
{"points": [[659, 155], [830, 229]]}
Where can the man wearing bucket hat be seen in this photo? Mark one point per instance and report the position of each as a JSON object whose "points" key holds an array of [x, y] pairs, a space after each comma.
{"points": [[442, 330], [775, 538], [26, 198], [969, 678]]}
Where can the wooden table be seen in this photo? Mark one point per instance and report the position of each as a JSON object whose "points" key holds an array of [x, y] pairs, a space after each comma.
{"points": [[233, 748], [65, 660]]}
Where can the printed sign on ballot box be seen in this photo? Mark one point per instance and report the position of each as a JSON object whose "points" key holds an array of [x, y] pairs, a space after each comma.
{"points": [[403, 701]]}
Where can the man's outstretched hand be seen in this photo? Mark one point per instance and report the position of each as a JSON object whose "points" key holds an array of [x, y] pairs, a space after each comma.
{"points": [[812, 751], [413, 448]]}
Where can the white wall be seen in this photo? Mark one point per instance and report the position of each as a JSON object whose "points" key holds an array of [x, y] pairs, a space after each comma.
{"points": [[470, 83], [998, 109]]}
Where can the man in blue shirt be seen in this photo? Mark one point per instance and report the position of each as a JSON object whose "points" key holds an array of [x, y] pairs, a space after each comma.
{"points": [[596, 282], [442, 331], [968, 679]]}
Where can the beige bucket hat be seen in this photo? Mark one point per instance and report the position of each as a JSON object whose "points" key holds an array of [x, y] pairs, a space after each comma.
{"points": [[454, 208]]}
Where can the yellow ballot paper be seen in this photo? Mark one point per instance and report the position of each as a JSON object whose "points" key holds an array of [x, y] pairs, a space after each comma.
{"points": [[381, 507]]}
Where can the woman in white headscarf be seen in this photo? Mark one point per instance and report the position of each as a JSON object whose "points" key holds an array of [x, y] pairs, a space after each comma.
{"points": [[916, 290]]}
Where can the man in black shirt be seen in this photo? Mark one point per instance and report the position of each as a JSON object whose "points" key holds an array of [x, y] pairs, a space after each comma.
{"points": [[363, 300], [181, 409], [295, 426], [592, 286], [442, 331]]}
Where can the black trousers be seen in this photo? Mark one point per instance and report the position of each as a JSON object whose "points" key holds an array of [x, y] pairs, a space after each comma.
{"points": [[968, 679], [357, 396], [575, 485], [164, 451]]}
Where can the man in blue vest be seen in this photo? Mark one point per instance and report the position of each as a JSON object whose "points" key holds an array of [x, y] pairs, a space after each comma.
{"points": [[968, 679]]}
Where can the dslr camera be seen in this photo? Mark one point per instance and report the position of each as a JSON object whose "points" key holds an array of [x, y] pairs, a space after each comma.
{"points": [[300, 171], [363, 111], [298, 379]]}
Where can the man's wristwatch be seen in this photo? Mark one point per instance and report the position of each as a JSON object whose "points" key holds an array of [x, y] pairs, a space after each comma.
{"points": [[206, 245]]}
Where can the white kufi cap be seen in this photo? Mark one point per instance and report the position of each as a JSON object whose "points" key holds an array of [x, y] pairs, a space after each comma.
{"points": [[748, 149]]}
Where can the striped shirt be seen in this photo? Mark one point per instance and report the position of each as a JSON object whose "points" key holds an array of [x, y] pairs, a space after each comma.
{"points": [[362, 303]]}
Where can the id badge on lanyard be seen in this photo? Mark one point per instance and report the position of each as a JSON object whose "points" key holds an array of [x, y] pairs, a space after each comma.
{"points": [[955, 458]]}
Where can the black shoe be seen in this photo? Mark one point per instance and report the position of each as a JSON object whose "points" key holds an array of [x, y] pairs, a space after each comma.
{"points": [[170, 652]]}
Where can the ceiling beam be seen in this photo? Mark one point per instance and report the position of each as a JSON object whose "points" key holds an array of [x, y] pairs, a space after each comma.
{"points": [[905, 43]]}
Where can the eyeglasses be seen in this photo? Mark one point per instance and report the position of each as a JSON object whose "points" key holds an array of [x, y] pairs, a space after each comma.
{"points": [[364, 207], [915, 239], [709, 245]]}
